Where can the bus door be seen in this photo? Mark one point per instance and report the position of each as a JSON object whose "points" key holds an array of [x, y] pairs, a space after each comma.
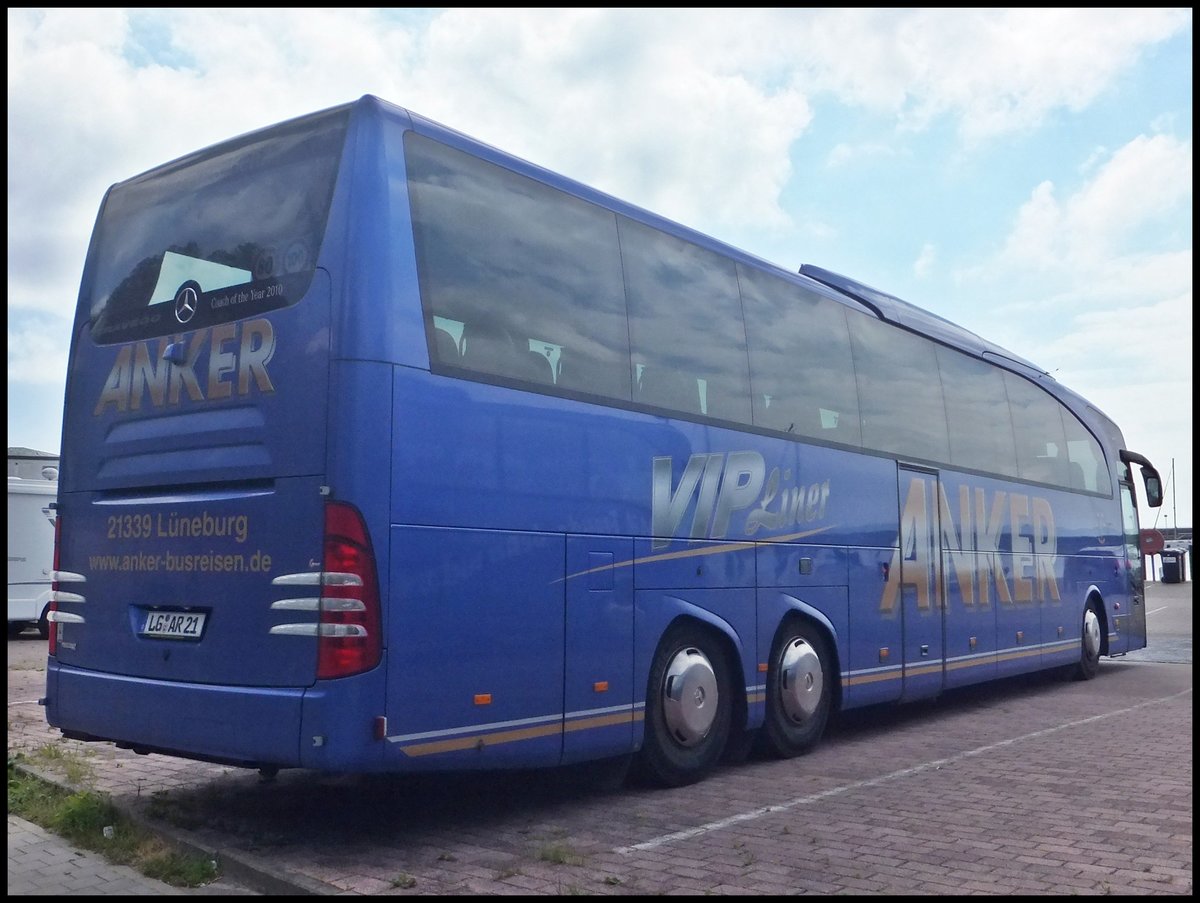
{"points": [[598, 713], [1132, 628], [922, 607]]}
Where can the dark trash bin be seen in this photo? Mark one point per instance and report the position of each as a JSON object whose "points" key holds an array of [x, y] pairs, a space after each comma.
{"points": [[1172, 566]]}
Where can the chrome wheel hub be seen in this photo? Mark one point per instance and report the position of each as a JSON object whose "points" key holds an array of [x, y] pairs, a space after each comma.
{"points": [[1091, 634], [801, 681], [690, 696]]}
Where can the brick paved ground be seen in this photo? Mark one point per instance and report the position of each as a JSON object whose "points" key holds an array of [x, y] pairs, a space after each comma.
{"points": [[1033, 786]]}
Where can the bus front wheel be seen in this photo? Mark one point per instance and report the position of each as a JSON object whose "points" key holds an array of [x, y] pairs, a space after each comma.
{"points": [[799, 691], [688, 708], [1089, 645]]}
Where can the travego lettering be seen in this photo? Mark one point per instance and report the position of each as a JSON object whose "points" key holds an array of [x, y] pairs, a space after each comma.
{"points": [[238, 354]]}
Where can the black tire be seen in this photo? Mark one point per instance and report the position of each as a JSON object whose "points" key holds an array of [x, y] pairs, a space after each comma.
{"points": [[43, 626], [799, 690], [1089, 644], [15, 629], [739, 747], [689, 706]]}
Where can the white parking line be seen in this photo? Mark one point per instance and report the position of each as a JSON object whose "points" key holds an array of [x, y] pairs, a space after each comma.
{"points": [[858, 785]]}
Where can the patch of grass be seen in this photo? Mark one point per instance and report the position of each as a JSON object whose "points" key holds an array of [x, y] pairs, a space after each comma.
{"points": [[404, 880], [559, 854], [67, 763], [29, 798], [89, 820]]}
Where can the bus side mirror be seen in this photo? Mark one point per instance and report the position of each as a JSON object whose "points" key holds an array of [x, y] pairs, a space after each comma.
{"points": [[1154, 489]]}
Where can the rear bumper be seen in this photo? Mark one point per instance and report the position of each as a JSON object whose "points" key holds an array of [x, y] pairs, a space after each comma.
{"points": [[249, 727]]}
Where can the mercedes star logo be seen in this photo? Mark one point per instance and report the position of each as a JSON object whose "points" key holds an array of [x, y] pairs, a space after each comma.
{"points": [[185, 304]]}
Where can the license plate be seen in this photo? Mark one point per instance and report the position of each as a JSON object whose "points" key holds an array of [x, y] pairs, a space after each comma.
{"points": [[174, 625]]}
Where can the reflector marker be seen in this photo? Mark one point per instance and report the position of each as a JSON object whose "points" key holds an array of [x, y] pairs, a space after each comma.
{"points": [[321, 578], [63, 617], [325, 630], [341, 630], [294, 630], [67, 577], [323, 603], [59, 596], [311, 604], [332, 604]]}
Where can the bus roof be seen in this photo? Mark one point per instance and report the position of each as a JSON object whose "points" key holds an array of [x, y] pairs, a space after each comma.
{"points": [[904, 313]]}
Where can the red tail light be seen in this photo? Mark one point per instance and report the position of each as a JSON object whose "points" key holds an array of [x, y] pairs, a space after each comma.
{"points": [[54, 585], [350, 639]]}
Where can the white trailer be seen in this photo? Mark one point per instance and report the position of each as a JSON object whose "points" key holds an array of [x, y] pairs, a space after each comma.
{"points": [[30, 550]]}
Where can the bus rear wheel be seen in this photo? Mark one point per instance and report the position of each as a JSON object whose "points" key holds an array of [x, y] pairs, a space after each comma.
{"points": [[799, 691], [688, 708]]}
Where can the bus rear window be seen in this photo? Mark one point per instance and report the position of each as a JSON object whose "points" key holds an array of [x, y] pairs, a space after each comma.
{"points": [[225, 233]]}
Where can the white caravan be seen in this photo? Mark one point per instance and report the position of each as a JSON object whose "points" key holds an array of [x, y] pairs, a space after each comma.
{"points": [[30, 545]]}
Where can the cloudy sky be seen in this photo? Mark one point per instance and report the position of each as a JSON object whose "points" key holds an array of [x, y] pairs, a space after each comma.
{"points": [[1025, 173]]}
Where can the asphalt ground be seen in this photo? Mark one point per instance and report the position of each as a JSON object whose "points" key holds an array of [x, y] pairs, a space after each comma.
{"points": [[1028, 786]]}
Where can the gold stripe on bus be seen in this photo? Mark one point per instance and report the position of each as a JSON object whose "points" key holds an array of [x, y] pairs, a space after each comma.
{"points": [[971, 663], [481, 740], [858, 679]]}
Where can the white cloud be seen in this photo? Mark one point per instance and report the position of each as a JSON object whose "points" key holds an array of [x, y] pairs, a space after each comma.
{"points": [[1147, 179], [1081, 245], [37, 349], [844, 154], [925, 261]]}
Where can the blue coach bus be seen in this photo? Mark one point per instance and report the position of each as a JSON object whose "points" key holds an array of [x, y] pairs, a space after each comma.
{"points": [[387, 451]]}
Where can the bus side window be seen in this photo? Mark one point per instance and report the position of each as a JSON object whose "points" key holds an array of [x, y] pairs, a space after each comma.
{"points": [[446, 349], [667, 388], [540, 368], [719, 402], [580, 373], [1078, 480], [782, 410], [488, 348]]}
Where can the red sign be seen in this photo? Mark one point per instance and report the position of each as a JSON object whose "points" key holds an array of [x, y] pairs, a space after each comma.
{"points": [[1152, 542]]}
